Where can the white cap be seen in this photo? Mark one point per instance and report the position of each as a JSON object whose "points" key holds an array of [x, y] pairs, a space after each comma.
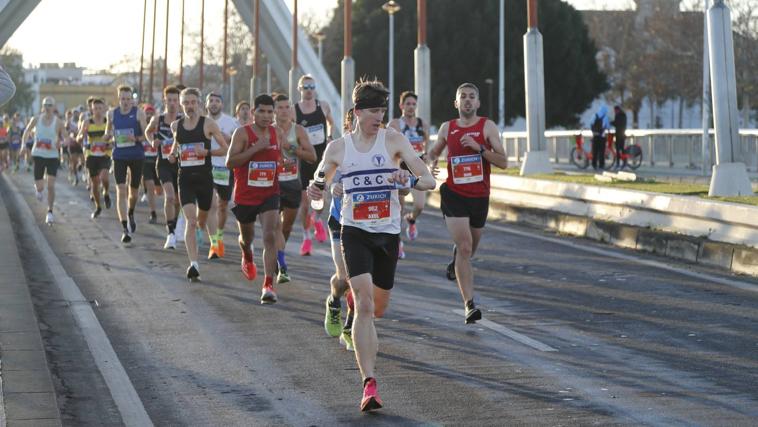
{"points": [[49, 100]]}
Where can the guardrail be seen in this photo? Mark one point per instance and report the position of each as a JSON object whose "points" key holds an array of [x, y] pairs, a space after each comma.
{"points": [[660, 147]]}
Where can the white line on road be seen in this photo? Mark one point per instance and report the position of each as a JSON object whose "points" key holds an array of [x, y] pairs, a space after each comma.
{"points": [[510, 333], [613, 254], [124, 395]]}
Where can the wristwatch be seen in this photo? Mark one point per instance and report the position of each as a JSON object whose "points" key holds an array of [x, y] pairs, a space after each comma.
{"points": [[481, 149]]}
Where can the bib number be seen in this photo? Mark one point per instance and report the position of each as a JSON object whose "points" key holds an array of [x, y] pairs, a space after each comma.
{"points": [[371, 207], [44, 144], [122, 138], [261, 174], [467, 169], [166, 146], [418, 145], [149, 150], [98, 149], [316, 134], [189, 156], [288, 170], [220, 175]]}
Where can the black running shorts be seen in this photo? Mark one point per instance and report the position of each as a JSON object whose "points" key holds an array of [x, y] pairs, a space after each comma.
{"points": [[454, 205], [135, 168], [196, 188], [168, 172], [96, 164], [247, 214], [290, 193], [43, 164], [374, 253], [148, 171], [336, 228], [308, 169]]}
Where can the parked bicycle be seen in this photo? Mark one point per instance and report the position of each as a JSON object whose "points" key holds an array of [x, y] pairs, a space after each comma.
{"points": [[582, 158]]}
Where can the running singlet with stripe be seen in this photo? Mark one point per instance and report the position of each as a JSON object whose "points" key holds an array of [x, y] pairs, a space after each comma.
{"points": [[335, 207], [44, 139], [289, 165], [96, 145], [468, 172], [415, 135], [165, 137], [125, 125], [227, 124], [314, 124], [370, 202], [190, 162], [256, 180]]}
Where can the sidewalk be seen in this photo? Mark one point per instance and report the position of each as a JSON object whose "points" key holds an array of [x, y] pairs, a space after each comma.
{"points": [[659, 173], [27, 394]]}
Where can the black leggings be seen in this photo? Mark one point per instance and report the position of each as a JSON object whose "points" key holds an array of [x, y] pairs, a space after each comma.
{"points": [[598, 153]]}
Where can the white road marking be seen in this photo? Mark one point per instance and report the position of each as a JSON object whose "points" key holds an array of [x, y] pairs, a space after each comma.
{"points": [[124, 395], [745, 286], [510, 333]]}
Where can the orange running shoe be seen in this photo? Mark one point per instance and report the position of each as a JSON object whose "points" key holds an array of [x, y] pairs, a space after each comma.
{"points": [[248, 269], [220, 248]]}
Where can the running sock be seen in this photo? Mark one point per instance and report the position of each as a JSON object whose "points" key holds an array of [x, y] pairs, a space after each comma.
{"points": [[220, 235], [280, 260], [131, 211], [470, 304], [248, 255], [213, 239], [411, 221], [268, 281], [123, 224], [171, 226], [334, 302], [365, 381]]}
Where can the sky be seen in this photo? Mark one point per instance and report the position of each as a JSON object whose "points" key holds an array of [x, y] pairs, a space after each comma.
{"points": [[61, 30]]}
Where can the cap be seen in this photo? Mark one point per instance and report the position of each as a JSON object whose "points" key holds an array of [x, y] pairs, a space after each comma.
{"points": [[148, 108], [48, 100], [214, 93]]}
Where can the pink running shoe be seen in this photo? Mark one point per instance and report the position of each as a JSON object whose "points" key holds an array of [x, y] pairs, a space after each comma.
{"points": [[371, 398], [305, 248], [318, 225]]}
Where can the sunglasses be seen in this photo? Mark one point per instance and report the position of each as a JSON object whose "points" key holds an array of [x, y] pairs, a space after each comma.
{"points": [[49, 105], [307, 87]]}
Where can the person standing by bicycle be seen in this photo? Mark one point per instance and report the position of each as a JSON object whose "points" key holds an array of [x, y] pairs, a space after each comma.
{"points": [[619, 123], [599, 125]]}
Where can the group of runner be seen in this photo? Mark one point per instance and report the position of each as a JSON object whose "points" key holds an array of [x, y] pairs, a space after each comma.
{"points": [[269, 163]]}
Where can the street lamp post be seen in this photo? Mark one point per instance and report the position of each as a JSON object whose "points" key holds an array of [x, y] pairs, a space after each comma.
{"points": [[232, 72], [347, 66], [489, 82], [320, 36], [391, 7]]}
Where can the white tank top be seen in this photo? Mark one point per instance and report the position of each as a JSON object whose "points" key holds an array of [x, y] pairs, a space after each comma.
{"points": [[45, 137], [370, 202]]}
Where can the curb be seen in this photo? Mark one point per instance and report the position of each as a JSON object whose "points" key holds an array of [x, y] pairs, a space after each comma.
{"points": [[738, 259]]}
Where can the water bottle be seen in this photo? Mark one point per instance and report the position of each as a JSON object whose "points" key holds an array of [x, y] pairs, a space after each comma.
{"points": [[320, 183]]}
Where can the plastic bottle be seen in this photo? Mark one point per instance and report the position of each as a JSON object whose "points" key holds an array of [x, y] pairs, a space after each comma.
{"points": [[320, 183]]}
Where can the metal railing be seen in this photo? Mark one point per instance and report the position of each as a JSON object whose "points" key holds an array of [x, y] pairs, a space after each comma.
{"points": [[660, 147]]}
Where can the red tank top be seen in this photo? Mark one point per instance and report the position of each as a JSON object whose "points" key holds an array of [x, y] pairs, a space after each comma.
{"points": [[256, 180], [468, 172]]}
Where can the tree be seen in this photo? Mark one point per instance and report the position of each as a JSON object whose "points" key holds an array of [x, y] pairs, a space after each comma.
{"points": [[13, 63], [464, 44]]}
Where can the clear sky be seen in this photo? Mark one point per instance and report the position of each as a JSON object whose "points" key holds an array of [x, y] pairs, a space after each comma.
{"points": [[98, 33]]}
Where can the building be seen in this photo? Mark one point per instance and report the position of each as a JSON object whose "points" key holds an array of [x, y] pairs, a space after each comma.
{"points": [[69, 85]]}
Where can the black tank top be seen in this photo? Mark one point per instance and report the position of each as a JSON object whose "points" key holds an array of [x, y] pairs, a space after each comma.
{"points": [[165, 136], [313, 123], [188, 140]]}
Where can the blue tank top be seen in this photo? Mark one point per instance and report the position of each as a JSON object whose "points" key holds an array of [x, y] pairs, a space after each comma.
{"points": [[124, 125], [335, 209]]}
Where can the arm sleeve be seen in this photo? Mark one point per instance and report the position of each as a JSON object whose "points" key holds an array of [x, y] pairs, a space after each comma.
{"points": [[7, 88]]}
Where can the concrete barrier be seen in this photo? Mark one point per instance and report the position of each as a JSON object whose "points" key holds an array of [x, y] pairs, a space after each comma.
{"points": [[687, 228]]}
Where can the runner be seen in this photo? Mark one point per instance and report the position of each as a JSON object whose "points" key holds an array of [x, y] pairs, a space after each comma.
{"points": [[4, 143], [316, 118], [98, 153], [473, 143], [15, 133], [75, 152], [159, 134], [222, 178], [369, 159], [149, 176], [254, 157], [417, 133], [192, 139], [295, 146], [48, 132], [124, 124], [242, 113]]}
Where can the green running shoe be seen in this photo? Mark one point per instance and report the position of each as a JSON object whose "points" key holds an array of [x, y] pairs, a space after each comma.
{"points": [[332, 319], [346, 340], [282, 277]]}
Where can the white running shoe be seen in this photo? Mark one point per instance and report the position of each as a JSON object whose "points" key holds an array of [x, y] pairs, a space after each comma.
{"points": [[170, 241], [38, 196], [179, 231], [143, 199], [49, 218]]}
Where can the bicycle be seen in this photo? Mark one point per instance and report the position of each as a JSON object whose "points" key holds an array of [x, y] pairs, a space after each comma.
{"points": [[581, 158]]}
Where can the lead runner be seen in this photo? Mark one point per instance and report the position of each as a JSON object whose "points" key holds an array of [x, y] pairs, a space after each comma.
{"points": [[369, 161]]}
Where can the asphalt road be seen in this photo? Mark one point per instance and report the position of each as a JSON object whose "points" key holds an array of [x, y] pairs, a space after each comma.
{"points": [[571, 338]]}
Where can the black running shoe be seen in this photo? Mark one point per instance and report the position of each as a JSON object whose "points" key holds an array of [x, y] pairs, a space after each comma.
{"points": [[450, 273], [125, 237], [192, 274], [472, 313], [96, 213], [132, 224], [107, 200]]}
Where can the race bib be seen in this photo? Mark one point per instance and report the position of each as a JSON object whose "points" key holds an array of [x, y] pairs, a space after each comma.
{"points": [[44, 144], [166, 146], [418, 145], [288, 170], [220, 175], [261, 174], [373, 207], [190, 156], [467, 169], [98, 148], [149, 150], [316, 134], [122, 138]]}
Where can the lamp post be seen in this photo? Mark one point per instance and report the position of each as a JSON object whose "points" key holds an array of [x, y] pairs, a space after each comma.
{"points": [[489, 82], [320, 36], [422, 66], [501, 70], [391, 7], [347, 66], [232, 72]]}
